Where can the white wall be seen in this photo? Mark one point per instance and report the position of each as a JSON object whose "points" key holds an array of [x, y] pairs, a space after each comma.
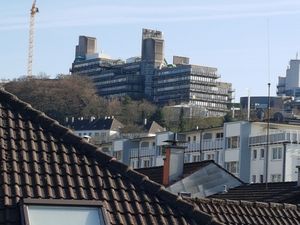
{"points": [[292, 160], [232, 129], [257, 165]]}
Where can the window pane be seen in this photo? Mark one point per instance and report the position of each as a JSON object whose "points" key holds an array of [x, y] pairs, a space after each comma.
{"points": [[279, 153], [274, 153], [262, 153], [63, 215]]}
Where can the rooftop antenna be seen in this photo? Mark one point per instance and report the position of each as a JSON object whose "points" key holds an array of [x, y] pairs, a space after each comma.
{"points": [[268, 110], [297, 55], [33, 11]]}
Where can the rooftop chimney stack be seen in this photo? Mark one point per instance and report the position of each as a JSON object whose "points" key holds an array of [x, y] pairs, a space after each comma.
{"points": [[173, 162]]}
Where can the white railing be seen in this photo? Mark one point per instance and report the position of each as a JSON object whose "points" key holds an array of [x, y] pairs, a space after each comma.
{"points": [[212, 144], [192, 146], [142, 152], [208, 144], [284, 136]]}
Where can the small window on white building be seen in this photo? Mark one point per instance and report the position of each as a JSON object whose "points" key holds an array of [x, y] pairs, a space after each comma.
{"points": [[232, 167], [262, 153], [253, 178], [79, 134], [261, 178], [233, 142], [277, 153], [189, 139], [196, 158], [254, 154], [210, 156], [53, 212], [146, 163], [275, 177], [219, 135]]}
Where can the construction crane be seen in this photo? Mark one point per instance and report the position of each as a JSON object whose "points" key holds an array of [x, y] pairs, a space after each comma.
{"points": [[33, 11]]}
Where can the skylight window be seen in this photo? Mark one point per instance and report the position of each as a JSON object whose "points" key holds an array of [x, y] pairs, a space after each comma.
{"points": [[63, 212]]}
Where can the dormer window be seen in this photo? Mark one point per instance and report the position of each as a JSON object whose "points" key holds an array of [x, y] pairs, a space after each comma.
{"points": [[53, 212]]}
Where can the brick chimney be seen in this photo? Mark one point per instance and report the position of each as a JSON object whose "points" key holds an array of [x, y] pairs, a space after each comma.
{"points": [[166, 167], [173, 162]]}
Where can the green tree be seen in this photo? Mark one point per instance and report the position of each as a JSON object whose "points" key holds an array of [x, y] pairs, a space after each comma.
{"points": [[65, 96]]}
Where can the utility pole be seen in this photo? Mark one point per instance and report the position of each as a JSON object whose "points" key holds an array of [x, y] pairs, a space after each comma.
{"points": [[268, 139], [33, 11]]}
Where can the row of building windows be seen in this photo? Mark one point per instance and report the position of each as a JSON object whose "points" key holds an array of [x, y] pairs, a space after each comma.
{"points": [[233, 142], [202, 70], [209, 104], [209, 97], [174, 71], [205, 79], [114, 88], [96, 134], [261, 154], [144, 163], [232, 167], [260, 178], [99, 77], [162, 81], [105, 82], [276, 153], [176, 87], [86, 64]]}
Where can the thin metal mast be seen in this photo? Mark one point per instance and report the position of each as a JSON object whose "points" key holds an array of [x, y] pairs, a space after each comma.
{"points": [[33, 11]]}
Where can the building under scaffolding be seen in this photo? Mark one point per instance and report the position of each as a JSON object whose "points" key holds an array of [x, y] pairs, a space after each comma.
{"points": [[151, 77]]}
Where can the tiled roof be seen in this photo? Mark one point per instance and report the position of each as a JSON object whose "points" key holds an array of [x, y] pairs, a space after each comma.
{"points": [[233, 212], [282, 192], [41, 159], [156, 173]]}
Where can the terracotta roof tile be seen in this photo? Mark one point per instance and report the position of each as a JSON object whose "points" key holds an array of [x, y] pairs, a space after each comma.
{"points": [[244, 212], [282, 192], [41, 159]]}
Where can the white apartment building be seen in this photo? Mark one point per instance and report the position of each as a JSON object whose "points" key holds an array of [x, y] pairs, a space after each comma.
{"points": [[278, 159], [205, 144], [240, 147]]}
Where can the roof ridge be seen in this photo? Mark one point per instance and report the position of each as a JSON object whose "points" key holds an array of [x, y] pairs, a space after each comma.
{"points": [[137, 178]]}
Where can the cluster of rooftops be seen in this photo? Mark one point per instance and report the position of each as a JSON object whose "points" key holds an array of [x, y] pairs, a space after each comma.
{"points": [[48, 173]]}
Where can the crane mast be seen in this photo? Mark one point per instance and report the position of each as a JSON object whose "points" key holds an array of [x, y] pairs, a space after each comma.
{"points": [[33, 11]]}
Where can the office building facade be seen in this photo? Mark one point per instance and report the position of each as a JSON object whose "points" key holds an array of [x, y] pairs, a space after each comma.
{"points": [[151, 77]]}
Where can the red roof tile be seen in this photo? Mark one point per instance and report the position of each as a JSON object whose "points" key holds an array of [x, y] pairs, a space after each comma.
{"points": [[281, 192], [251, 213], [41, 159]]}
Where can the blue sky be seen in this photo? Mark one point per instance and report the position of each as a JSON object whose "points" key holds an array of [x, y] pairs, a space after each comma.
{"points": [[230, 35]]}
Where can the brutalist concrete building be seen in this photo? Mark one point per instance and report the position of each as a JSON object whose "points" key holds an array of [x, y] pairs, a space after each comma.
{"points": [[151, 77]]}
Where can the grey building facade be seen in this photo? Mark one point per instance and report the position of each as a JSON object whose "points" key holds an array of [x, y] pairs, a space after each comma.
{"points": [[151, 77], [290, 84]]}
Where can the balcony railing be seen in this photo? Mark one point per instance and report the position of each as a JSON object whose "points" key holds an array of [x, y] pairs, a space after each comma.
{"points": [[142, 152], [208, 144], [285, 136]]}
